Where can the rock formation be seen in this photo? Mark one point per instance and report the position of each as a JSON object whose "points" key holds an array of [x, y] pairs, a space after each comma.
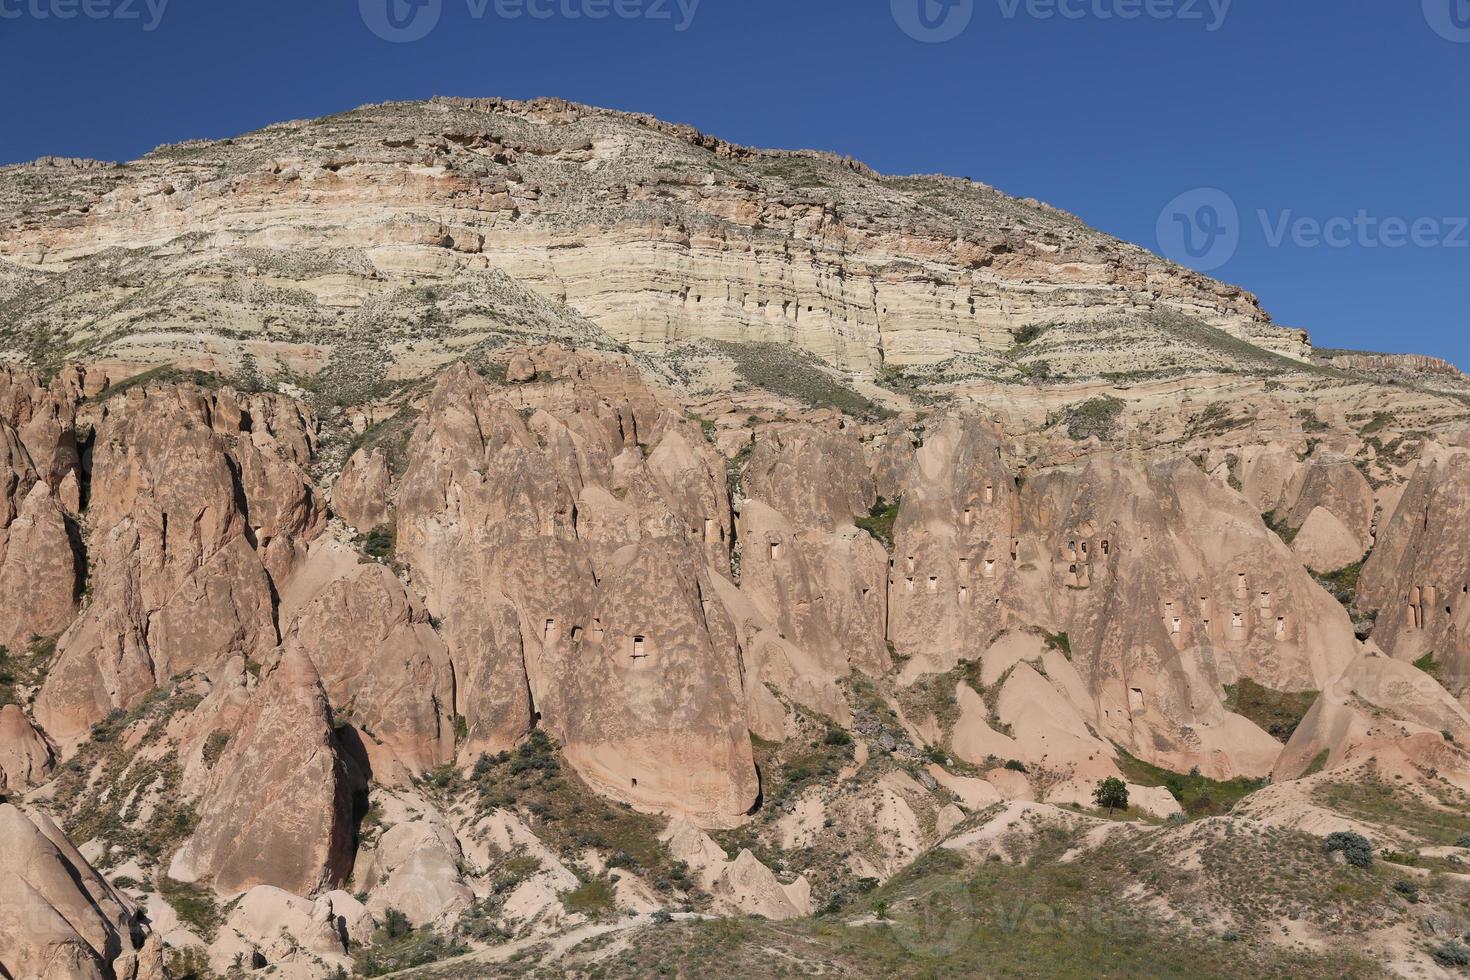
{"points": [[198, 500], [1418, 579], [279, 809], [671, 234], [498, 504], [25, 758], [380, 660], [58, 917]]}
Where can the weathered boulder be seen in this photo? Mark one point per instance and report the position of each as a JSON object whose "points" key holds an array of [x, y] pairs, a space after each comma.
{"points": [[955, 565], [293, 936], [1325, 544], [1173, 589], [545, 544], [361, 495], [819, 598], [42, 420], [654, 712], [1332, 483], [787, 455], [416, 868], [748, 887], [473, 490], [1379, 704]]}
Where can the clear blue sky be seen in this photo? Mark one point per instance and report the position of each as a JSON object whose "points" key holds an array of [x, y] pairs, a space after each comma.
{"points": [[1320, 108]]}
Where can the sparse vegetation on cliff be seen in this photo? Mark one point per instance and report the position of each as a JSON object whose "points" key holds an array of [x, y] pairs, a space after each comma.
{"points": [[880, 521], [1278, 712], [1098, 417], [795, 374], [1198, 795]]}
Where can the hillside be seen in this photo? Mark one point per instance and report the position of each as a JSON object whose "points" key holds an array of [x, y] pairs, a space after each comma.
{"points": [[478, 537]]}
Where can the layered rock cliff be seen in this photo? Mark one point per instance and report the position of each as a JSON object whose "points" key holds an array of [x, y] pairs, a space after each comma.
{"points": [[464, 520]]}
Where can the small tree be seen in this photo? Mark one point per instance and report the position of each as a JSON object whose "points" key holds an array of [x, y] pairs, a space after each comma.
{"points": [[1111, 794], [396, 925]]}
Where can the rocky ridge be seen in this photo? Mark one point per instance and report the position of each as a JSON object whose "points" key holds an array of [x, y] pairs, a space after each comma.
{"points": [[540, 637]]}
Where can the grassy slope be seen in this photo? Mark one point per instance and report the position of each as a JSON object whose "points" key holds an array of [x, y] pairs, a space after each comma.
{"points": [[947, 918]]}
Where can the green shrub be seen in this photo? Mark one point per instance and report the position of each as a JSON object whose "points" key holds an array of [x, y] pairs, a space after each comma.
{"points": [[396, 924], [1278, 712], [593, 898], [1196, 793], [195, 906], [1343, 583], [1318, 763], [1030, 333], [1060, 642], [1216, 419], [378, 543], [569, 815], [397, 946], [19, 672], [1277, 524], [188, 963], [1428, 664], [1354, 847], [1451, 953], [797, 375], [214, 747]]}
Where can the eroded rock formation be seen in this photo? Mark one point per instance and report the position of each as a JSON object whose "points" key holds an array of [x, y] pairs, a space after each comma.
{"points": [[399, 566], [278, 810], [58, 917]]}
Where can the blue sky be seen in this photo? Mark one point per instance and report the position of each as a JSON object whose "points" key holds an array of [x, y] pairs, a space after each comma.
{"points": [[1347, 113]]}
